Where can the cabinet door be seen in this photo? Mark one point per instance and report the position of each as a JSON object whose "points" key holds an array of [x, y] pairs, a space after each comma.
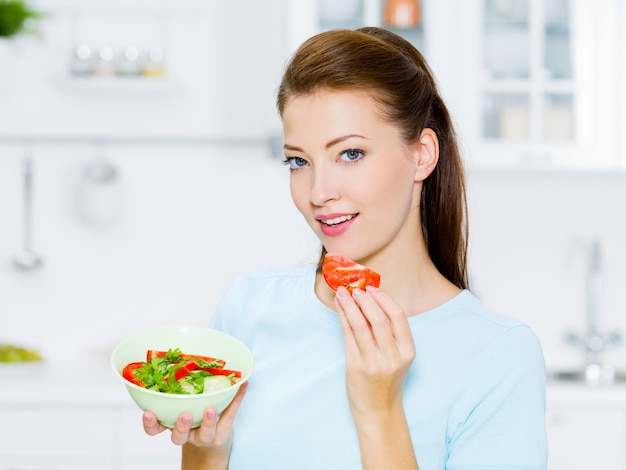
{"points": [[60, 438], [542, 78], [581, 439], [137, 450]]}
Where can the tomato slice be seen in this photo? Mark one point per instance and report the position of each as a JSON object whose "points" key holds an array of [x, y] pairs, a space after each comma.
{"points": [[341, 271], [128, 372]]}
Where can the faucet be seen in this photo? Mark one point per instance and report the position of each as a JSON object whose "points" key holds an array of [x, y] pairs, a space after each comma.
{"points": [[594, 342]]}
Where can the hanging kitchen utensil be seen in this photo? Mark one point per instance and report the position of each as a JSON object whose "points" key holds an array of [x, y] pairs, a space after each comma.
{"points": [[100, 198], [27, 258], [403, 13]]}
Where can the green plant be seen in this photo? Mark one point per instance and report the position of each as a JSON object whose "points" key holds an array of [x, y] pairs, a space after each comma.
{"points": [[16, 17]]}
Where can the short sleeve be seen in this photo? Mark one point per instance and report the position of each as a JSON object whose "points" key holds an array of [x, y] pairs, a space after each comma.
{"points": [[500, 422], [229, 314]]}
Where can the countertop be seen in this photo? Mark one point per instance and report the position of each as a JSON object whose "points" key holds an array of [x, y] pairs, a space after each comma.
{"points": [[90, 383], [44, 384], [576, 393]]}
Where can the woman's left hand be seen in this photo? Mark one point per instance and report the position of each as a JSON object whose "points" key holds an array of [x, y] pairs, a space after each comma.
{"points": [[379, 349]]}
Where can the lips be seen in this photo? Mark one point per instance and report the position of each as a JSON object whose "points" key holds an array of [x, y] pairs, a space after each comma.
{"points": [[337, 220], [335, 225]]}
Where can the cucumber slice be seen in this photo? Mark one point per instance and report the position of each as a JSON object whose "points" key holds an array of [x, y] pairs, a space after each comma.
{"points": [[216, 382]]}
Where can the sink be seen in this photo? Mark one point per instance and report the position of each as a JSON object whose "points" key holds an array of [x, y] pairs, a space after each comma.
{"points": [[593, 374]]}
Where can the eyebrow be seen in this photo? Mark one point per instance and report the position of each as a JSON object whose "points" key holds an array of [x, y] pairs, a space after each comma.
{"points": [[328, 145]]}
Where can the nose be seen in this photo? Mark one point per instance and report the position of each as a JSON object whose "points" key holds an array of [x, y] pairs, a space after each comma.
{"points": [[324, 187]]}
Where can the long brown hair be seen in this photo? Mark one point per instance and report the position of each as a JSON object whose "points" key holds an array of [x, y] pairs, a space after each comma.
{"points": [[397, 76]]}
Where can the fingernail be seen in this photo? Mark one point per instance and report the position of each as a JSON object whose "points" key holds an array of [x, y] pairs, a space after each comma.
{"points": [[342, 292], [186, 419], [371, 289], [356, 292]]}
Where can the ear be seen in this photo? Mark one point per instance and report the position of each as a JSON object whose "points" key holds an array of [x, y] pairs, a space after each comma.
{"points": [[426, 154]]}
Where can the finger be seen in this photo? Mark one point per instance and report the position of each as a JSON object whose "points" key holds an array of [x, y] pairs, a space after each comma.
{"points": [[218, 429], [151, 425], [348, 335], [377, 319], [180, 433], [205, 434], [228, 415], [356, 321], [398, 320]]}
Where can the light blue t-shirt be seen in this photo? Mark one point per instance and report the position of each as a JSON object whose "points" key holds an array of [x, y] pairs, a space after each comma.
{"points": [[474, 397]]}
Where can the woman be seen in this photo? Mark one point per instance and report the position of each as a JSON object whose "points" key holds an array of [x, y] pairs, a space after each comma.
{"points": [[417, 372]]}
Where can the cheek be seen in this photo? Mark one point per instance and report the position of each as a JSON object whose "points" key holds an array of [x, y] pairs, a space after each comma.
{"points": [[298, 192], [392, 193]]}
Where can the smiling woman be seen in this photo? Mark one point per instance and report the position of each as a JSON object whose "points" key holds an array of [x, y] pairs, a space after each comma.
{"points": [[416, 370]]}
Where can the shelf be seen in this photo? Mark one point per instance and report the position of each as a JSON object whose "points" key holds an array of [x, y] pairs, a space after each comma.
{"points": [[119, 85]]}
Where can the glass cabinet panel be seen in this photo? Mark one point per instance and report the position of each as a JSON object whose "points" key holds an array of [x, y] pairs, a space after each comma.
{"points": [[528, 78], [506, 38], [506, 116], [335, 14], [558, 117], [405, 18], [557, 38]]}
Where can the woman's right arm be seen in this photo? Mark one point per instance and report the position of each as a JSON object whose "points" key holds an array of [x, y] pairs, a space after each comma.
{"points": [[205, 447]]}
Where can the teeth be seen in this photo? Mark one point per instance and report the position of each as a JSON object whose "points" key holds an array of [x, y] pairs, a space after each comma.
{"points": [[337, 220]]}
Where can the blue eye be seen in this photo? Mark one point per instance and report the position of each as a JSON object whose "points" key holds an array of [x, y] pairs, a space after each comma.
{"points": [[351, 155], [295, 162]]}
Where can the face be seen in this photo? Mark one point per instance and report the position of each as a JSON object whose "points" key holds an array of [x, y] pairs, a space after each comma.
{"points": [[353, 178]]}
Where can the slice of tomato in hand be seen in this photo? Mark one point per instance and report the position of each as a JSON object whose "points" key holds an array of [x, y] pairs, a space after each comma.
{"points": [[129, 373], [341, 271]]}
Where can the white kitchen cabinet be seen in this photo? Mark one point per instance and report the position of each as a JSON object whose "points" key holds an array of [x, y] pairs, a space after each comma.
{"points": [[541, 92], [585, 438], [60, 437], [530, 83], [62, 425], [586, 426], [86, 437], [136, 450], [219, 62]]}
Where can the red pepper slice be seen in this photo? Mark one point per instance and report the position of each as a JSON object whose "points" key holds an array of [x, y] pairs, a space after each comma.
{"points": [[186, 369], [158, 354], [129, 373]]}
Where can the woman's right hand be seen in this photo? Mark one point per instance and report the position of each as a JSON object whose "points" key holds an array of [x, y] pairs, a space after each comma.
{"points": [[213, 436]]}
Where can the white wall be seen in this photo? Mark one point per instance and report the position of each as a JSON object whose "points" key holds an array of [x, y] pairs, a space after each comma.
{"points": [[531, 233], [195, 216]]}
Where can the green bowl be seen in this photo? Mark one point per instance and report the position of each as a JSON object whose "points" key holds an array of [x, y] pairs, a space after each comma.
{"points": [[190, 340]]}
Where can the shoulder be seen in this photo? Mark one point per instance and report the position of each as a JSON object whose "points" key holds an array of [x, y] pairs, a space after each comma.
{"points": [[465, 309], [466, 304], [508, 346], [480, 333], [262, 290], [277, 278]]}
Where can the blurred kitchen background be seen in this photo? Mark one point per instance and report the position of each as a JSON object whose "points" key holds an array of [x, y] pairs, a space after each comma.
{"points": [[140, 171]]}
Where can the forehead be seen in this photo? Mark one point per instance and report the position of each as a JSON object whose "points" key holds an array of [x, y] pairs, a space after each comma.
{"points": [[332, 107]]}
